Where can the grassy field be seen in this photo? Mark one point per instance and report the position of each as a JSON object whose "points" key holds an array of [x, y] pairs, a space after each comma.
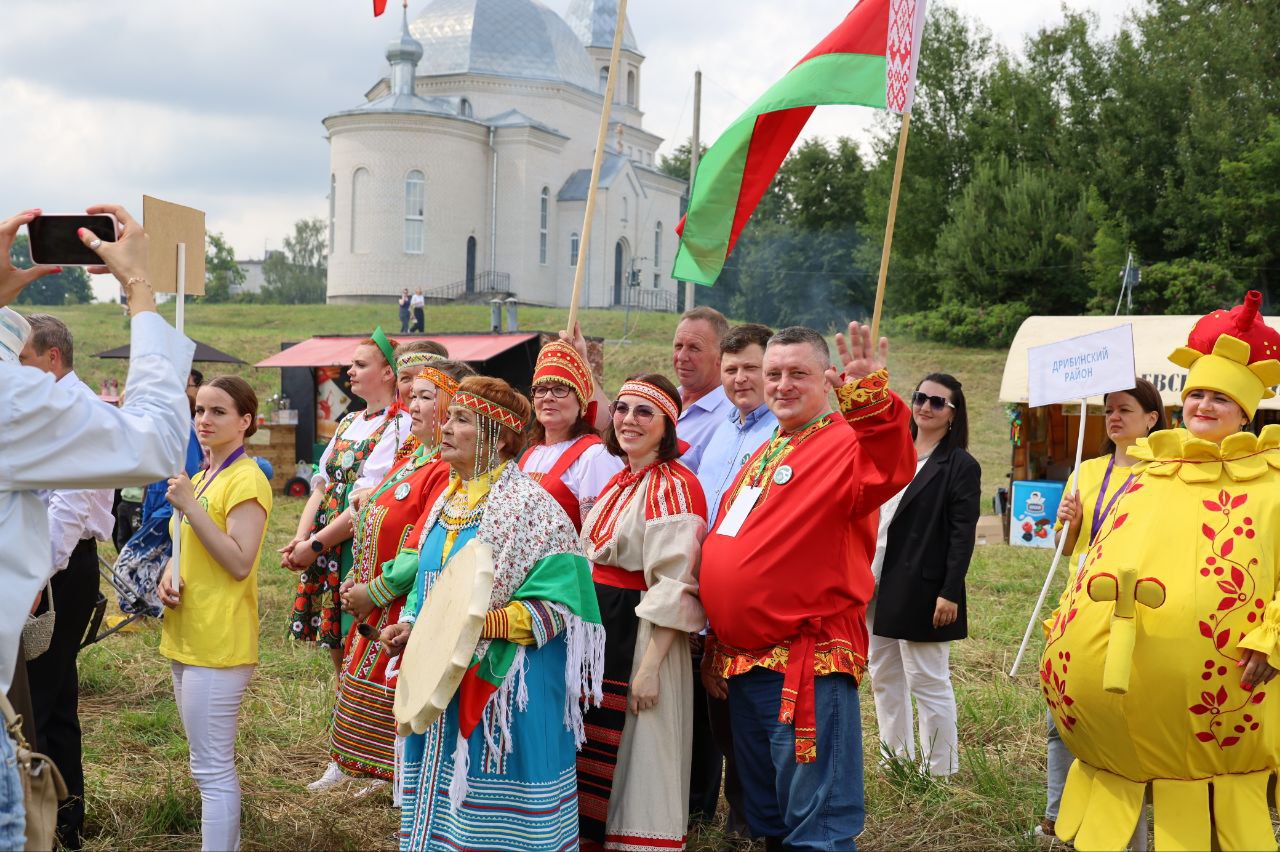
{"points": [[140, 793]]}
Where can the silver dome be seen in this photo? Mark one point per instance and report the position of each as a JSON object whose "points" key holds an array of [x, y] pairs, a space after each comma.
{"points": [[503, 38], [592, 21]]}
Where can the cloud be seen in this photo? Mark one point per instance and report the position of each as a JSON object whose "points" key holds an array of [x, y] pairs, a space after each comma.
{"points": [[218, 105]]}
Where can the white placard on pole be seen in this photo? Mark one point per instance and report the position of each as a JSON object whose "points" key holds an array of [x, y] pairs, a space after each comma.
{"points": [[1081, 367], [179, 322]]}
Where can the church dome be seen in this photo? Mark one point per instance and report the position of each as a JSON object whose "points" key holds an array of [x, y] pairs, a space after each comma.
{"points": [[593, 21], [503, 38]]}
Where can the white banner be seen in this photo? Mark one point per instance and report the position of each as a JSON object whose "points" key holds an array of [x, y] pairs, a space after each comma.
{"points": [[1081, 367]]}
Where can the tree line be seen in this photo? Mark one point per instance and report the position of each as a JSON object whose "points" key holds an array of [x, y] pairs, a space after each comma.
{"points": [[1031, 176]]}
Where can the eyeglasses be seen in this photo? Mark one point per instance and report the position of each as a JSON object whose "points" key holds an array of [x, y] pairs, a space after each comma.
{"points": [[555, 390], [643, 413], [937, 403]]}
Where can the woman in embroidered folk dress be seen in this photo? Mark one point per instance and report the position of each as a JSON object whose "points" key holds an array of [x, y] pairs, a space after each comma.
{"points": [[363, 729], [358, 457], [496, 771], [211, 629], [643, 536], [1157, 658], [1129, 415], [566, 454]]}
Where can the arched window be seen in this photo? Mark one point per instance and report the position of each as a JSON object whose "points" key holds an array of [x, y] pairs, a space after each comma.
{"points": [[604, 79], [415, 208], [333, 210], [631, 88], [626, 209], [464, 108], [544, 215], [359, 200], [574, 245], [657, 246]]}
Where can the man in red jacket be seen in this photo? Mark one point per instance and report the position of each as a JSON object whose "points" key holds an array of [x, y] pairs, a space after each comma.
{"points": [[786, 578]]}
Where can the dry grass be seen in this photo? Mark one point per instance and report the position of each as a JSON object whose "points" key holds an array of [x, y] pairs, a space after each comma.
{"points": [[140, 793]]}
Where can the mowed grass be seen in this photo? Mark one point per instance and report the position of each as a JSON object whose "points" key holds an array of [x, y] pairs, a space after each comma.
{"points": [[139, 789]]}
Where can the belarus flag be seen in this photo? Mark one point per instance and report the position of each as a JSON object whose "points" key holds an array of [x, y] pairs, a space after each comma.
{"points": [[869, 60]]}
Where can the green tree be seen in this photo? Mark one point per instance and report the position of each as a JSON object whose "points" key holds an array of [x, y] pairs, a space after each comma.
{"points": [[298, 274], [677, 164], [221, 271], [68, 287], [1247, 204]]}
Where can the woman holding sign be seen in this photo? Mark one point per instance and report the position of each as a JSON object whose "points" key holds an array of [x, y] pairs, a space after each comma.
{"points": [[1157, 659], [211, 630]]}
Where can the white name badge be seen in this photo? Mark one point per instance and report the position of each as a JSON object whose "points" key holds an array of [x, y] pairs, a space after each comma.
{"points": [[738, 511]]}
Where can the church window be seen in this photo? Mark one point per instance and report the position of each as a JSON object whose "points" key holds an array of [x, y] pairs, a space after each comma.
{"points": [[333, 209], [464, 108], [626, 209], [544, 215], [604, 79], [574, 246], [631, 88], [415, 213], [657, 245], [657, 279], [359, 201]]}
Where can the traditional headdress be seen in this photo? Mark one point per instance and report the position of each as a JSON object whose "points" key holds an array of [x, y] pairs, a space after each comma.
{"points": [[379, 337], [653, 394], [491, 417], [446, 387], [560, 362], [14, 331], [1233, 352], [416, 359]]}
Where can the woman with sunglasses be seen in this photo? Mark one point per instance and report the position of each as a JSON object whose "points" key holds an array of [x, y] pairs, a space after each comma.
{"points": [[566, 455], [922, 555], [1129, 415], [643, 536]]}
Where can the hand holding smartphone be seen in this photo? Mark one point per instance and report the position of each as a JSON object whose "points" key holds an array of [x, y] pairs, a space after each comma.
{"points": [[55, 240]]}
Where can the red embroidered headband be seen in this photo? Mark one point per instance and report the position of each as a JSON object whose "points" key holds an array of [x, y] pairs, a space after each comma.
{"points": [[492, 410], [445, 382], [653, 394]]}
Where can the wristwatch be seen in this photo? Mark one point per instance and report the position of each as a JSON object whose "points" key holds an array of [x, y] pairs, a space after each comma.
{"points": [[316, 546]]}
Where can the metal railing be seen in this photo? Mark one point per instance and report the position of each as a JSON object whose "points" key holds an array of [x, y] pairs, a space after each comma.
{"points": [[484, 282], [650, 300]]}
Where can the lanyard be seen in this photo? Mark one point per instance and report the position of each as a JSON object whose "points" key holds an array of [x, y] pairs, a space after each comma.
{"points": [[204, 486], [770, 453], [1098, 511]]}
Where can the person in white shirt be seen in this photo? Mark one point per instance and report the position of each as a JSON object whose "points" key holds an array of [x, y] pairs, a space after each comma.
{"points": [[78, 520], [418, 303], [54, 436], [695, 357]]}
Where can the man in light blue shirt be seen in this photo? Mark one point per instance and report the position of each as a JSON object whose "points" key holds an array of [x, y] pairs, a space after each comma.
{"points": [[748, 424], [695, 357]]}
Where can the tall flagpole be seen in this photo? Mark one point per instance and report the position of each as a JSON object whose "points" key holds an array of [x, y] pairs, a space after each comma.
{"points": [[888, 229], [695, 154], [584, 250]]}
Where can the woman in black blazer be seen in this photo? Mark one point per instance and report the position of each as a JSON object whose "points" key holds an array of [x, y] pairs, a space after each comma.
{"points": [[922, 556]]}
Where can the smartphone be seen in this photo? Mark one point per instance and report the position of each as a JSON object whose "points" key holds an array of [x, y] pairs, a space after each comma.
{"points": [[54, 240]]}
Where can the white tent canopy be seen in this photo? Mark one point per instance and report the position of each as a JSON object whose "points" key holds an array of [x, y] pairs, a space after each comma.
{"points": [[1154, 337]]}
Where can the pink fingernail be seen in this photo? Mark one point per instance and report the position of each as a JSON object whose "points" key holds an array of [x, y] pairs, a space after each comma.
{"points": [[80, 232], [57, 270]]}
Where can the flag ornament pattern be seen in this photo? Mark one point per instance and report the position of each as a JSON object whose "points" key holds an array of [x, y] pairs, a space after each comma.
{"points": [[869, 60]]}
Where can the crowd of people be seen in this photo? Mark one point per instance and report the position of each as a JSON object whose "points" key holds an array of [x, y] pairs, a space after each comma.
{"points": [[690, 581]]}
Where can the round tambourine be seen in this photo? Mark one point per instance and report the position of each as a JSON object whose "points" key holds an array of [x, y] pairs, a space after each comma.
{"points": [[444, 638]]}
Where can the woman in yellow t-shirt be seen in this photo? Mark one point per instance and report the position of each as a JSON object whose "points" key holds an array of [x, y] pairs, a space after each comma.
{"points": [[211, 627], [1130, 415]]}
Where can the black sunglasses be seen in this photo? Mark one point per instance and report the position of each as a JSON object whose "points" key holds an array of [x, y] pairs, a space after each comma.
{"points": [[937, 403]]}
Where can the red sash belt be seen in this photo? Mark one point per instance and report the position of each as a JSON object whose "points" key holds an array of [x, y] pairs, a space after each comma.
{"points": [[619, 578], [797, 706]]}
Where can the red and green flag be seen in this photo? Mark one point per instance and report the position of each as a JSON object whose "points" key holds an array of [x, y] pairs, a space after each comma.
{"points": [[869, 60]]}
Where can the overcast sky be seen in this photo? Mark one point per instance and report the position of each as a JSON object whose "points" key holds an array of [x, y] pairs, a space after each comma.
{"points": [[218, 104]]}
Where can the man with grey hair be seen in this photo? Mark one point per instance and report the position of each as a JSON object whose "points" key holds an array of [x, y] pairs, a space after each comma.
{"points": [[695, 358], [785, 580], [78, 520]]}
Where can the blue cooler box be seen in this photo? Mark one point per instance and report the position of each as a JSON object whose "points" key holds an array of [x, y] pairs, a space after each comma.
{"points": [[1033, 512]]}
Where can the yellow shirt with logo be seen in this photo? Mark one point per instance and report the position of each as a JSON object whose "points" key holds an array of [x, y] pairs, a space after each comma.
{"points": [[216, 624]]}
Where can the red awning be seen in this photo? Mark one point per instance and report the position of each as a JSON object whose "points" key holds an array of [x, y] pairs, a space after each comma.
{"points": [[337, 351]]}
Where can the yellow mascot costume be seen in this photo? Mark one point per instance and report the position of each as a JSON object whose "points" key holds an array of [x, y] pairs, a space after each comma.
{"points": [[1143, 659]]}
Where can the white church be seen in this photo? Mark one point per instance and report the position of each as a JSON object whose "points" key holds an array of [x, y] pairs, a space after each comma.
{"points": [[466, 170]]}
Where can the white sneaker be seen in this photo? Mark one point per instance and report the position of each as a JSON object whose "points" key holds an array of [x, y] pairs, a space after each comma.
{"points": [[332, 777]]}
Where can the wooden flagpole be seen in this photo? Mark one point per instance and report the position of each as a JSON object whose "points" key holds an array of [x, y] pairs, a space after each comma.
{"points": [[888, 230], [584, 244]]}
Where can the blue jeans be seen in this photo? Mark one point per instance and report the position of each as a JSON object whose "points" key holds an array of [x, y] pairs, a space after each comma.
{"points": [[1059, 762], [13, 820], [815, 805]]}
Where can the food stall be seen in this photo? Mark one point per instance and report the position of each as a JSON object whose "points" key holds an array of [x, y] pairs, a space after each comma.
{"points": [[1043, 440]]}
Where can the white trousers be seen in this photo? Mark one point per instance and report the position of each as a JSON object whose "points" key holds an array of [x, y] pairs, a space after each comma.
{"points": [[209, 706], [900, 671]]}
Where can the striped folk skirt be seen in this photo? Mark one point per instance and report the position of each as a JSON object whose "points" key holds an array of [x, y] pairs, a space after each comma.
{"points": [[363, 733]]}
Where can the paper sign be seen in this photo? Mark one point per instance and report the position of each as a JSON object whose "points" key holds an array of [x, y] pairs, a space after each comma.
{"points": [[1081, 367], [738, 511], [167, 225]]}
